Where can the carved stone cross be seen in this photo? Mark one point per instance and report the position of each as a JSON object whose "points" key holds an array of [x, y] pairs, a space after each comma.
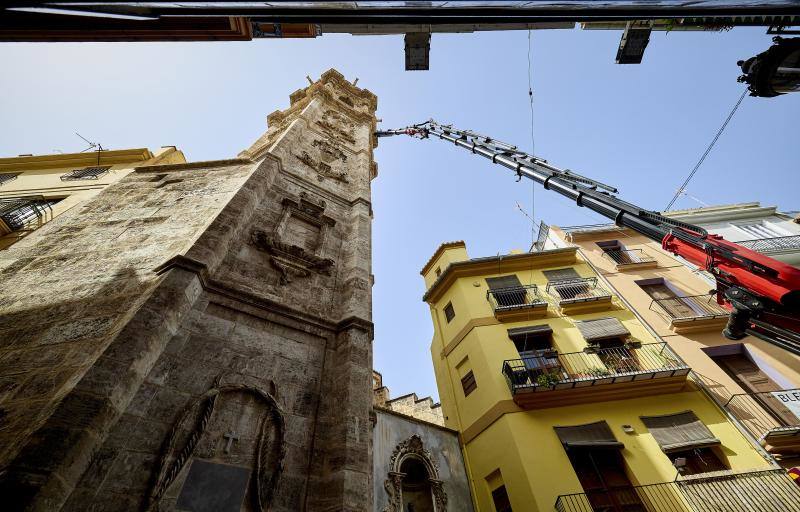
{"points": [[231, 437]]}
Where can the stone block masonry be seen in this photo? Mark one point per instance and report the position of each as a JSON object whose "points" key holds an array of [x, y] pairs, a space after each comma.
{"points": [[198, 336]]}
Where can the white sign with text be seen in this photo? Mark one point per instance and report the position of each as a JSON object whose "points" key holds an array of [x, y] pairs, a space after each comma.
{"points": [[790, 400]]}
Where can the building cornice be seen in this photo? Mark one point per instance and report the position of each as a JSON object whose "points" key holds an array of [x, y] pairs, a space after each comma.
{"points": [[61, 160], [439, 251], [497, 265]]}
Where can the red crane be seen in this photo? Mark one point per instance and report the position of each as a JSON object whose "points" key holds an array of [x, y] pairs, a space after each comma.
{"points": [[762, 294]]}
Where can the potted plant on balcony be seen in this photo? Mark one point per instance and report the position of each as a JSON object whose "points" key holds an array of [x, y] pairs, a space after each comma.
{"points": [[548, 379]]}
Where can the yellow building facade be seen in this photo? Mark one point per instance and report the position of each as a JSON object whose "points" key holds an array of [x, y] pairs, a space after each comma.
{"points": [[564, 400], [36, 189], [756, 382]]}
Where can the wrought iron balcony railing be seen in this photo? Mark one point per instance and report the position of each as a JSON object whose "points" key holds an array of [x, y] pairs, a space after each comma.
{"points": [[691, 307], [770, 245], [18, 213], [768, 418], [515, 297], [762, 491], [577, 290], [549, 370], [628, 256]]}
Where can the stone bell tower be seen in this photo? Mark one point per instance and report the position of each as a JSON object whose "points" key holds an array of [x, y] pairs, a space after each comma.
{"points": [[198, 337]]}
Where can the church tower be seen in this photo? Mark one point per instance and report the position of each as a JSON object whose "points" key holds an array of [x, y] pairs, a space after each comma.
{"points": [[198, 336]]}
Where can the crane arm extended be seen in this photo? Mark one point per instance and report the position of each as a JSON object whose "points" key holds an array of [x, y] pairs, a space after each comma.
{"points": [[762, 293]]}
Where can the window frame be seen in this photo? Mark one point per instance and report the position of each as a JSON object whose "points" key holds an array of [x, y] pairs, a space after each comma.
{"points": [[449, 312], [468, 381]]}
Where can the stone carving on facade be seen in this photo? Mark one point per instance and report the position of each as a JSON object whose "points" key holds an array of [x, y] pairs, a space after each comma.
{"points": [[337, 126], [323, 170], [412, 448], [329, 150], [192, 426], [293, 258]]}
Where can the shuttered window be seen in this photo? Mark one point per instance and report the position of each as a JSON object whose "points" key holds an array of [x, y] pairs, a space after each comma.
{"points": [[681, 431], [497, 283], [602, 329], [561, 274], [591, 435], [468, 383], [449, 312]]}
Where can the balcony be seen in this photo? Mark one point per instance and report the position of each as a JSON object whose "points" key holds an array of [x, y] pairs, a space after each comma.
{"points": [[552, 379], [768, 419], [24, 213], [764, 491], [691, 313], [579, 295], [624, 259], [773, 245], [517, 303]]}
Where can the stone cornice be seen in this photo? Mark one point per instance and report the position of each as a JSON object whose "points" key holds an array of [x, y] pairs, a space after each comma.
{"points": [[208, 164], [498, 265], [213, 286], [61, 160]]}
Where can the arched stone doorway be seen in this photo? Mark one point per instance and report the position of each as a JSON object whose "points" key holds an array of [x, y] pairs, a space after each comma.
{"points": [[413, 480]]}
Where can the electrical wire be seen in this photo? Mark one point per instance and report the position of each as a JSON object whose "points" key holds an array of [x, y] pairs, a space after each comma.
{"points": [[533, 141], [707, 151]]}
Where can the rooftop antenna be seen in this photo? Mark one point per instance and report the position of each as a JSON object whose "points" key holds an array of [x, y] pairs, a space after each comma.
{"points": [[92, 145]]}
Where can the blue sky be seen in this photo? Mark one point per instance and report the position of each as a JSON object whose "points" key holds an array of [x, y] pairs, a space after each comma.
{"points": [[641, 128]]}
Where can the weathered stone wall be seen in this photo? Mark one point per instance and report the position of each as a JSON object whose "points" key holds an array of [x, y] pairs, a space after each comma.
{"points": [[391, 442], [233, 344], [422, 409]]}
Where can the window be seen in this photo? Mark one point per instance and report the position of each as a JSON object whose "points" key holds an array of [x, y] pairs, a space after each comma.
{"points": [[21, 213], [507, 291], [500, 499], [535, 347], [87, 173], [438, 271], [8, 176], [595, 456], [468, 383], [616, 251], [696, 461], [449, 312], [567, 283], [687, 442], [758, 230]]}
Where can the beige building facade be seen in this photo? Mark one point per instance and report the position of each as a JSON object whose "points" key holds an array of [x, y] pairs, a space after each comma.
{"points": [[36, 189], [754, 381]]}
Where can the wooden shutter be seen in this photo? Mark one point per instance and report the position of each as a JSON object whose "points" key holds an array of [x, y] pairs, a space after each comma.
{"points": [[679, 431], [601, 329], [468, 383], [561, 274]]}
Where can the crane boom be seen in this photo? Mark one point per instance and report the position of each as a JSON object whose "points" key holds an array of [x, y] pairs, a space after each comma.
{"points": [[762, 294]]}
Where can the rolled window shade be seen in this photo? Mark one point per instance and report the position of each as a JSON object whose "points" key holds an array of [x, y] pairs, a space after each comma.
{"points": [[498, 283], [561, 274], [596, 435], [532, 330], [602, 328], [680, 431]]}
